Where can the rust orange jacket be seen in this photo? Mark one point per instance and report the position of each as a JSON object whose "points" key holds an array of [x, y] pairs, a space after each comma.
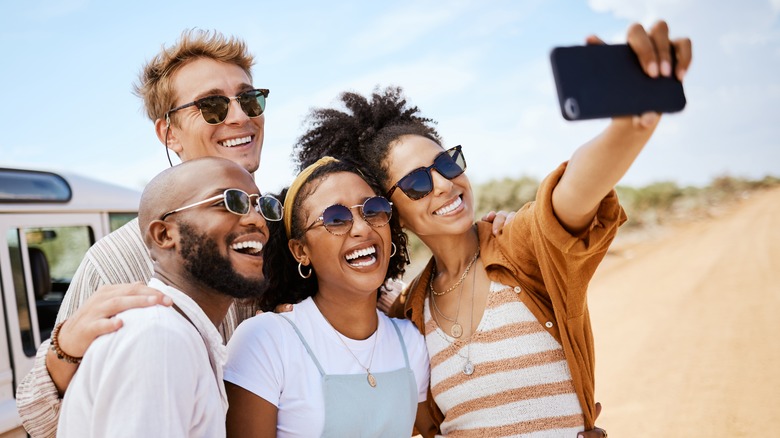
{"points": [[553, 269]]}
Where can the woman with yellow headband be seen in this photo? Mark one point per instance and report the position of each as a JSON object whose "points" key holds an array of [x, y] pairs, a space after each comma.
{"points": [[333, 365]]}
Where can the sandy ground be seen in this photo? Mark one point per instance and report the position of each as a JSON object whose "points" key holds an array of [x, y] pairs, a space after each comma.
{"points": [[687, 328]]}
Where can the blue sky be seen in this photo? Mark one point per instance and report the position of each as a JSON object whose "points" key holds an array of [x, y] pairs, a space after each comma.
{"points": [[480, 68]]}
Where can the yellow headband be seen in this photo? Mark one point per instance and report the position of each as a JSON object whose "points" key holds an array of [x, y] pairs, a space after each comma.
{"points": [[296, 185]]}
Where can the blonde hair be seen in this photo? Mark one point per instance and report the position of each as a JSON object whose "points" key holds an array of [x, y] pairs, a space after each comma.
{"points": [[154, 84]]}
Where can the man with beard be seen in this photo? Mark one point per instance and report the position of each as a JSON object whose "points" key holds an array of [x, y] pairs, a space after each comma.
{"points": [[204, 223]]}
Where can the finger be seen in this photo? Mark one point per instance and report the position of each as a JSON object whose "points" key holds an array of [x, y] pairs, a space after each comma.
{"points": [[598, 411], [646, 120], [115, 305], [593, 40], [489, 216], [282, 308], [683, 53], [659, 34], [498, 222], [509, 218], [643, 47], [135, 289]]}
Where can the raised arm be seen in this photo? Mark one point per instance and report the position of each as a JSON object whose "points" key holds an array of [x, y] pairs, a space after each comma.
{"points": [[597, 166]]}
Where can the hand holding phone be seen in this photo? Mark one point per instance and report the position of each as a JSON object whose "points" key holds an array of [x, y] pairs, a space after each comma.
{"points": [[598, 81]]}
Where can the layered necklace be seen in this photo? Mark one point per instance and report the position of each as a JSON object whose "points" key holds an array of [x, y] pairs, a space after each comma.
{"points": [[468, 367], [369, 377], [457, 283], [456, 331]]}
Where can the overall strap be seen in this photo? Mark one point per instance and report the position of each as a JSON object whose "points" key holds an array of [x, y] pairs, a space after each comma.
{"points": [[306, 345], [403, 344]]}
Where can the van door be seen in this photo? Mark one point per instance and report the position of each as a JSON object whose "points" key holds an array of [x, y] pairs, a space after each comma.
{"points": [[41, 252]]}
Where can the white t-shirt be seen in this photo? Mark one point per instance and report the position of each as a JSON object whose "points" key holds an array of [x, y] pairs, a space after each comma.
{"points": [[266, 357], [154, 377]]}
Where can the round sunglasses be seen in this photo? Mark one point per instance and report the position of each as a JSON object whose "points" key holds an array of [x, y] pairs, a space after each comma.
{"points": [[214, 109], [239, 202], [338, 219], [418, 183]]}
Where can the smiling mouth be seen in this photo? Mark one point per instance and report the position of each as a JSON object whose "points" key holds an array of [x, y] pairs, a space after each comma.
{"points": [[449, 207], [362, 257], [250, 248], [233, 142]]}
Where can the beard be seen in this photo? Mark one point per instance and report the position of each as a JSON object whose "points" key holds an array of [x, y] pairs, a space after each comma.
{"points": [[204, 262]]}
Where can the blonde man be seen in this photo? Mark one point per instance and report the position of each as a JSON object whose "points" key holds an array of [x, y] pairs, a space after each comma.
{"points": [[200, 96]]}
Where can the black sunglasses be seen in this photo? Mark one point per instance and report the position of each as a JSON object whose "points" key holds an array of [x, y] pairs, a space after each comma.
{"points": [[239, 202], [418, 183], [338, 219], [214, 109]]}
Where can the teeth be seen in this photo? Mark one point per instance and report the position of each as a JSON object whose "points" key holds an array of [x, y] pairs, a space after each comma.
{"points": [[448, 208], [254, 247], [236, 141], [361, 253], [368, 262]]}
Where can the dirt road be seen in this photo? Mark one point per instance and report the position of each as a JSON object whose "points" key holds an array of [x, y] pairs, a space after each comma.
{"points": [[687, 328]]}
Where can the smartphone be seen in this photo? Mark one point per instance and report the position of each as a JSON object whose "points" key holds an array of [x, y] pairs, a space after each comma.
{"points": [[598, 81]]}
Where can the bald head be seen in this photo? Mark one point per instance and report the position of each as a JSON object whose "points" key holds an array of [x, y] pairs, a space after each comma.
{"points": [[174, 187]]}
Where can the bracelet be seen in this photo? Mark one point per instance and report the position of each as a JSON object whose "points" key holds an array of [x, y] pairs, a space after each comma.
{"points": [[55, 346]]}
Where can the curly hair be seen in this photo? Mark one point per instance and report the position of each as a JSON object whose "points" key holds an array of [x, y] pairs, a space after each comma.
{"points": [[154, 84], [283, 283], [364, 133]]}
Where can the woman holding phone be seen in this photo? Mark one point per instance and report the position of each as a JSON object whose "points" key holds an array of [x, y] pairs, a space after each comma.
{"points": [[505, 317], [333, 365]]}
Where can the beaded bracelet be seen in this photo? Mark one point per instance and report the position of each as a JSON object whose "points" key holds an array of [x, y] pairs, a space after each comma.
{"points": [[55, 346]]}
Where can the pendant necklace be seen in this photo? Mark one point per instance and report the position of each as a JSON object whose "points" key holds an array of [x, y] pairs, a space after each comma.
{"points": [[369, 377], [468, 369], [456, 330]]}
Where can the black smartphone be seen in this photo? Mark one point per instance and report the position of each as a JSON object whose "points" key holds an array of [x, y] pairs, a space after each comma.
{"points": [[598, 81]]}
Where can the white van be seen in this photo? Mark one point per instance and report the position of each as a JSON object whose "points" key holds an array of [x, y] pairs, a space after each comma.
{"points": [[47, 222]]}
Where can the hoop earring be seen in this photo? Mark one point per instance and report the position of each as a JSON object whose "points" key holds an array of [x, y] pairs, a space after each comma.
{"points": [[394, 249], [300, 271]]}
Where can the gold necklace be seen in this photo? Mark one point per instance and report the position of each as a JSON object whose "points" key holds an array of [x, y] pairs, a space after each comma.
{"points": [[468, 367], [457, 283], [369, 377], [456, 330]]}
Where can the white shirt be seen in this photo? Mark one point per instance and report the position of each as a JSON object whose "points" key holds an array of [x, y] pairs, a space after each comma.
{"points": [[159, 375], [266, 357]]}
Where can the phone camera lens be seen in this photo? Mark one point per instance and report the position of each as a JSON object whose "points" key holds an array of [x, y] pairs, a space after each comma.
{"points": [[571, 108]]}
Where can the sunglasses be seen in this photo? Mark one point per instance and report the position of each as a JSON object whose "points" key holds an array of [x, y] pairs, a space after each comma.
{"points": [[418, 183], [214, 109], [338, 219], [239, 202]]}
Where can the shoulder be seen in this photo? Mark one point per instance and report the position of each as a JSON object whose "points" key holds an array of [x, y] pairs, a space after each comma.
{"points": [[160, 325], [264, 329], [150, 339], [126, 236]]}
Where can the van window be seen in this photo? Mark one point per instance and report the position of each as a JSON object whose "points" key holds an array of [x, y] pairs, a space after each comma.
{"points": [[33, 186], [54, 254], [116, 220]]}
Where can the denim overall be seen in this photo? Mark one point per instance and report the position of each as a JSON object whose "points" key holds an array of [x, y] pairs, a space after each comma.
{"points": [[354, 409]]}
